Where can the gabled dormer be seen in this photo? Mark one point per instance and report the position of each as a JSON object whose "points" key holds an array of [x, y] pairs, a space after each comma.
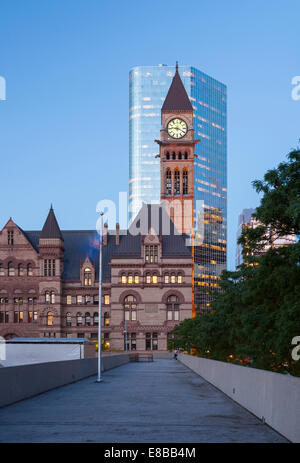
{"points": [[87, 273], [151, 247]]}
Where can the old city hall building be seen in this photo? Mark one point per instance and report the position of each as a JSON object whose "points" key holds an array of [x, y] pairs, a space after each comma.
{"points": [[49, 279]]}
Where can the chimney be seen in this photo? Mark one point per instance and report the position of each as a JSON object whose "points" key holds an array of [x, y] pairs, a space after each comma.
{"points": [[105, 232], [117, 234]]}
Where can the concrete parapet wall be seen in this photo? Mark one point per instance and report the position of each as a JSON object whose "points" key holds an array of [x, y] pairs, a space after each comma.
{"points": [[272, 397], [24, 381]]}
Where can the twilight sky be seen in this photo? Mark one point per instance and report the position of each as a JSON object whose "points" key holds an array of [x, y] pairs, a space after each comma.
{"points": [[64, 124]]}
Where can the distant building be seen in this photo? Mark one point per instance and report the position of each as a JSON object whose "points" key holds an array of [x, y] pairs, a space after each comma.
{"points": [[246, 219], [148, 88]]}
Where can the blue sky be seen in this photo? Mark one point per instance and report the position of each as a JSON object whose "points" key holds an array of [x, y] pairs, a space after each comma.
{"points": [[64, 125]]}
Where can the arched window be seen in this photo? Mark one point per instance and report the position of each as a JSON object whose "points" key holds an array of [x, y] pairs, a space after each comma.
{"points": [[95, 319], [79, 319], [130, 306], [47, 297], [173, 278], [11, 269], [179, 155], [123, 279], [52, 297], [173, 308], [50, 319], [185, 155], [106, 319], [29, 270], [148, 278], [87, 277], [167, 278], [185, 182], [130, 278], [87, 319], [68, 319], [154, 279], [173, 155], [179, 279], [1, 270], [136, 279], [176, 183], [20, 270], [168, 183], [168, 155]]}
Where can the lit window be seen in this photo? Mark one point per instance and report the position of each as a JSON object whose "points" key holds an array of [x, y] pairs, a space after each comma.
{"points": [[123, 279], [69, 300], [30, 271], [52, 298], [173, 278], [154, 279], [179, 279], [106, 319], [148, 278], [136, 279], [87, 277], [106, 299], [20, 270], [130, 278], [50, 319], [167, 278]]}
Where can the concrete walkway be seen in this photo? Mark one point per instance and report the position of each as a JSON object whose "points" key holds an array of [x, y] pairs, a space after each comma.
{"points": [[161, 401]]}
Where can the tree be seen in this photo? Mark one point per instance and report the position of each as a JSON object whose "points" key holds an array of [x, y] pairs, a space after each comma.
{"points": [[257, 313]]}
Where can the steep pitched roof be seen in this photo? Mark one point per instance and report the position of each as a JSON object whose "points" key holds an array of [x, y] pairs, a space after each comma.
{"points": [[79, 244], [177, 99], [51, 228]]}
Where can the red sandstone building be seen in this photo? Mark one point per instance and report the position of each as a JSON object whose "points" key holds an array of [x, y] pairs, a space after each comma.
{"points": [[49, 279]]}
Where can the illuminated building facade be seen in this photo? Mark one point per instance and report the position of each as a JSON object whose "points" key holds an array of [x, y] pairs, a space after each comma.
{"points": [[148, 87]]}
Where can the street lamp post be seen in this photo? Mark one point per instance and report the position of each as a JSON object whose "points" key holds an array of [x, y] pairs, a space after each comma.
{"points": [[99, 379]]}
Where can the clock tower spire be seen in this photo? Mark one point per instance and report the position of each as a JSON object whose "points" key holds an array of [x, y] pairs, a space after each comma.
{"points": [[177, 155]]}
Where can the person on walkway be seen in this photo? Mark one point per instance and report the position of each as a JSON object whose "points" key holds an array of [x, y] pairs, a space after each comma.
{"points": [[175, 354]]}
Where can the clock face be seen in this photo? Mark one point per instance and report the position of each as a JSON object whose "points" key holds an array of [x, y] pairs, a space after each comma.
{"points": [[177, 128]]}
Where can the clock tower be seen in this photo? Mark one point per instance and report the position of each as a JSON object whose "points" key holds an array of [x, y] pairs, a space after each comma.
{"points": [[177, 156]]}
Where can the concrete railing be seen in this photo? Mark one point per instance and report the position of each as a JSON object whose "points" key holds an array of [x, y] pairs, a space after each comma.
{"points": [[24, 381], [272, 397]]}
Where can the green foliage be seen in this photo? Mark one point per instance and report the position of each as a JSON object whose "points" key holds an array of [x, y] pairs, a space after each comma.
{"points": [[254, 318]]}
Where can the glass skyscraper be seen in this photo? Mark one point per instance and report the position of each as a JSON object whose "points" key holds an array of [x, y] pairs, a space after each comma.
{"points": [[148, 86]]}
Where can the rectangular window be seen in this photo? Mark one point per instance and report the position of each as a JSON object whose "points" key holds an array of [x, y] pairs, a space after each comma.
{"points": [[16, 317], [79, 299], [1, 270], [151, 254], [2, 317], [69, 300], [49, 267], [106, 299], [170, 315], [10, 238], [30, 317], [176, 315]]}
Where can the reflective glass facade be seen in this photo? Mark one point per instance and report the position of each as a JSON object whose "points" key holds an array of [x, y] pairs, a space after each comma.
{"points": [[148, 86]]}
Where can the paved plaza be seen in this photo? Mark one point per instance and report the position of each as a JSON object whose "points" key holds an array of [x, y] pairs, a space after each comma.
{"points": [[162, 401]]}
